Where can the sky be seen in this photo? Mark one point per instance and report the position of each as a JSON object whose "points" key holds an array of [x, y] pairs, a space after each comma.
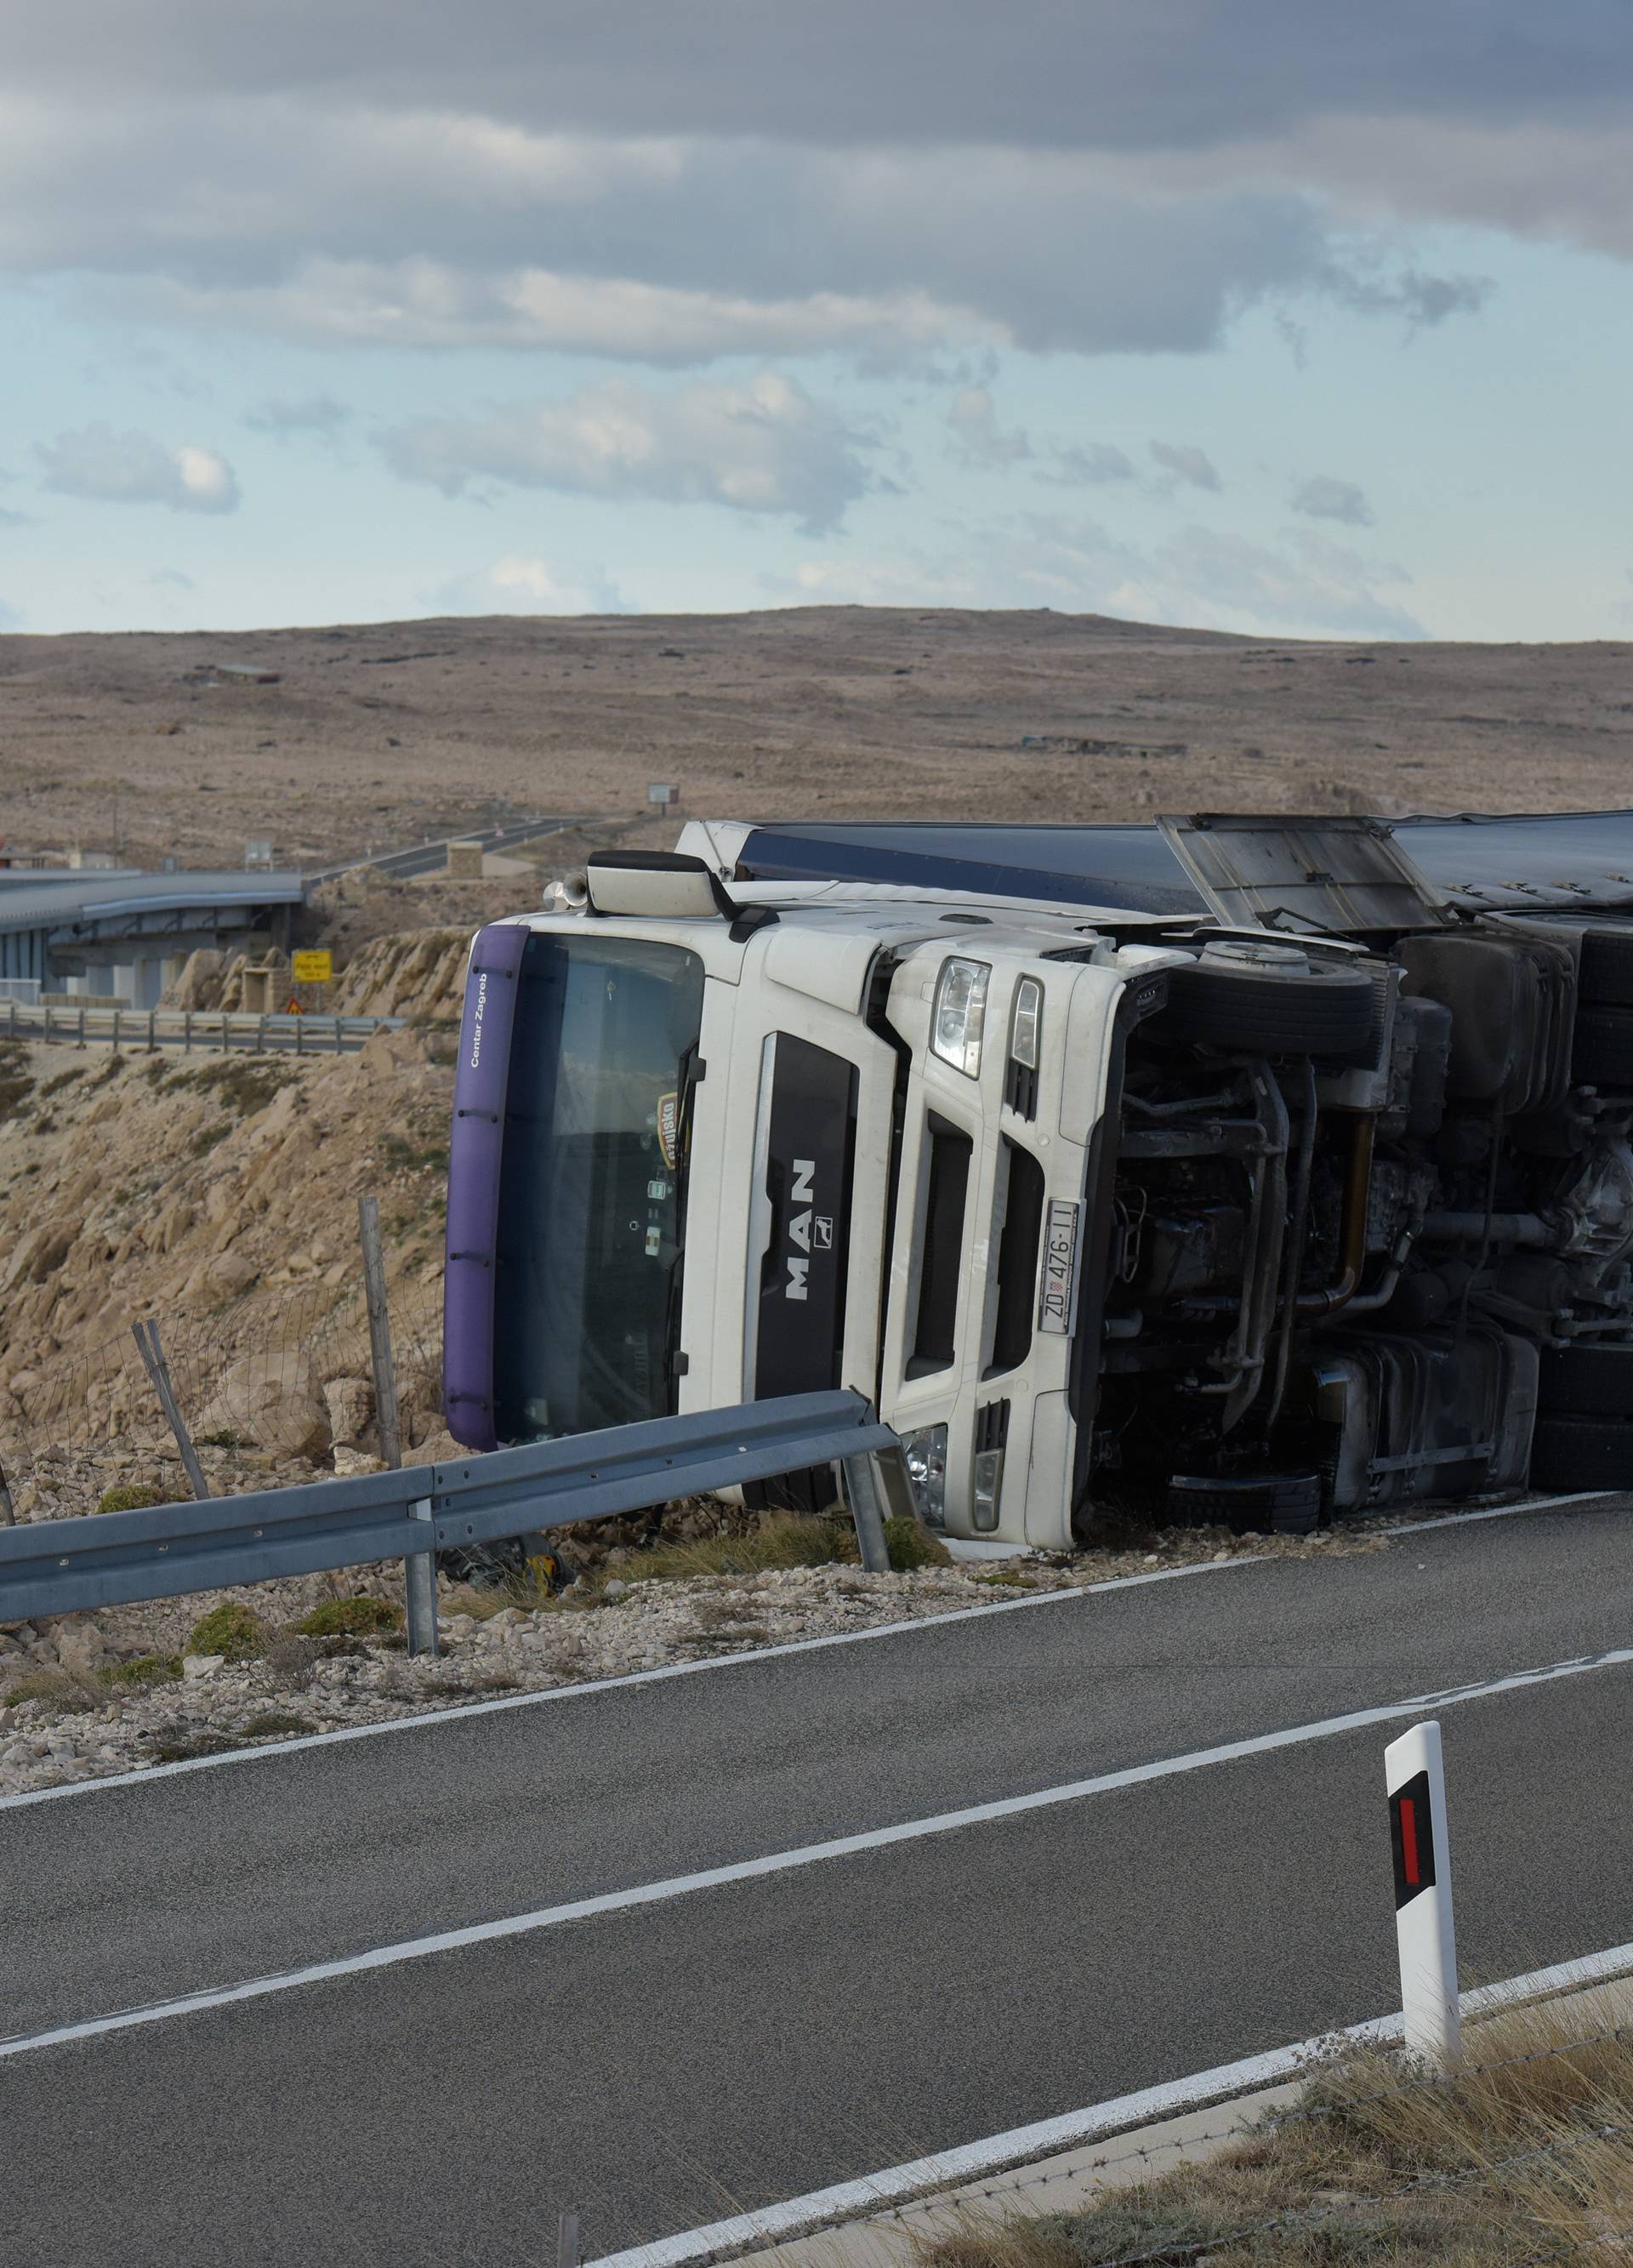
{"points": [[1274, 316]]}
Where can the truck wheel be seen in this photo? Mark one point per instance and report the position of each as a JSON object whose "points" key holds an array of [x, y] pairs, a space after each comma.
{"points": [[1581, 1453], [1278, 1504], [1602, 1051], [1587, 1381], [1607, 967], [1322, 1010]]}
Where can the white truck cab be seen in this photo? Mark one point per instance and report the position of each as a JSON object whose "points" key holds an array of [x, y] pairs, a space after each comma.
{"points": [[1145, 1205]]}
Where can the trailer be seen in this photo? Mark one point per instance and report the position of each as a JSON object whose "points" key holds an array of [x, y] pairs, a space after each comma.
{"points": [[1242, 1170]]}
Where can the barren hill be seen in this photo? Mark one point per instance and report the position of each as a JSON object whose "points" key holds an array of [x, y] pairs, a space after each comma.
{"points": [[384, 733]]}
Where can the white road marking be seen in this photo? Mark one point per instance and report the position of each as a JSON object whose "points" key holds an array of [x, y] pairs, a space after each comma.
{"points": [[850, 2200], [145, 1773], [808, 1854]]}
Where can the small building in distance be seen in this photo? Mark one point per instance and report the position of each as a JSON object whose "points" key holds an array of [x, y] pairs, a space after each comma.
{"points": [[123, 935]]}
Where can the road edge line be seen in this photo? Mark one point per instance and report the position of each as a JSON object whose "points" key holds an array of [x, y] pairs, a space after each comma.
{"points": [[996, 2153]]}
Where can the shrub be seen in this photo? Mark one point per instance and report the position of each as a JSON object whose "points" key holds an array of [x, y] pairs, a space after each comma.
{"points": [[131, 1496], [230, 1628], [145, 1669], [910, 1545], [273, 1722], [350, 1618]]}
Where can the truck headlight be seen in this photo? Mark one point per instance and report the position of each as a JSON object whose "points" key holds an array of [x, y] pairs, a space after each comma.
{"points": [[961, 1012], [926, 1453]]}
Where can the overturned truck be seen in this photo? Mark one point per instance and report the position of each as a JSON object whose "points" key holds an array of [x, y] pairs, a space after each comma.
{"points": [[1238, 1170]]}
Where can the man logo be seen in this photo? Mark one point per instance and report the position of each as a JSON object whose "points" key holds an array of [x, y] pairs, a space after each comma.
{"points": [[797, 1286], [824, 1229]]}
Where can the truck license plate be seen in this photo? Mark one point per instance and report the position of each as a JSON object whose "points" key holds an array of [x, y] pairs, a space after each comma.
{"points": [[1060, 1267]]}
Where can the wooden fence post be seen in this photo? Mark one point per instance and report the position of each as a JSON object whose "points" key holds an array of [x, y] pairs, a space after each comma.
{"points": [[380, 1330]]}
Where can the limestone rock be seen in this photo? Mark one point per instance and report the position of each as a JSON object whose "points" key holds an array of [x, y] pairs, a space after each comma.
{"points": [[229, 1273], [81, 1647], [270, 1399], [39, 1253], [350, 1405]]}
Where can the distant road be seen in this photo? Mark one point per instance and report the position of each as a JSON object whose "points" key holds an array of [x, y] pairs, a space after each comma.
{"points": [[995, 1943], [426, 858]]}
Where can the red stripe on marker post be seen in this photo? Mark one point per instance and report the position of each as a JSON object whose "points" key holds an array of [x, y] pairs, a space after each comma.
{"points": [[1409, 1843]]}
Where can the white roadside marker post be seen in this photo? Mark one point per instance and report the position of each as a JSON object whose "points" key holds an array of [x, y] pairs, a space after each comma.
{"points": [[1423, 1896]]}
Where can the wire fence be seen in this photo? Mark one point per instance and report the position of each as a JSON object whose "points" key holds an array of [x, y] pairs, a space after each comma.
{"points": [[285, 1372]]}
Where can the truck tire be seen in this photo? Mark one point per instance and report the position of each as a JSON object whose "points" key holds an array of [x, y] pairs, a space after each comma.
{"points": [[1606, 976], [1581, 1453], [1277, 1504], [1325, 1011], [1602, 1051], [1587, 1381]]}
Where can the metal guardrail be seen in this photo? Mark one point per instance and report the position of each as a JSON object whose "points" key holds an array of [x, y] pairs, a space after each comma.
{"points": [[67, 1566], [228, 1031], [426, 858]]}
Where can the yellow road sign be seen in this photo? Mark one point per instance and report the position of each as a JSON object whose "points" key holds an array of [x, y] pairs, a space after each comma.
{"points": [[315, 967]]}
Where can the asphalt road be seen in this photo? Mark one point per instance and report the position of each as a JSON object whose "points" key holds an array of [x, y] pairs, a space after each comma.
{"points": [[665, 2064], [429, 858]]}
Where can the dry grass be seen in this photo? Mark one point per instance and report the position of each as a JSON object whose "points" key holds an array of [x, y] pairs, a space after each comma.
{"points": [[782, 1540], [1526, 2156]]}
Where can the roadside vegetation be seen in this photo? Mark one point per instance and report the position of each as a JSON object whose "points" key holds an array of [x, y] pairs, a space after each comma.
{"points": [[782, 1540], [1525, 2157]]}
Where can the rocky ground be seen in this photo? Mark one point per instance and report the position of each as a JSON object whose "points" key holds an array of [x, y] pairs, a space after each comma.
{"points": [[91, 1695], [218, 1194], [397, 733]]}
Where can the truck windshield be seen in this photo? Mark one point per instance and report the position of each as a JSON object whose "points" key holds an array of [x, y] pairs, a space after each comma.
{"points": [[592, 1184]]}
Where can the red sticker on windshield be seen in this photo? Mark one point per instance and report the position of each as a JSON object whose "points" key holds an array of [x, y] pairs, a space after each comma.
{"points": [[669, 1128]]}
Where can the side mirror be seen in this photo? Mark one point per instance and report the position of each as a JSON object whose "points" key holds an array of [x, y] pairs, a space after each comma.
{"points": [[656, 886]]}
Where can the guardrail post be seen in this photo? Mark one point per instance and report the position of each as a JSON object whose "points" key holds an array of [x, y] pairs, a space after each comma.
{"points": [[865, 1498], [152, 1031], [11, 1020], [260, 1036], [187, 1034], [1424, 1934], [116, 1031], [226, 1033], [82, 1027], [419, 1573], [301, 1036], [337, 1034]]}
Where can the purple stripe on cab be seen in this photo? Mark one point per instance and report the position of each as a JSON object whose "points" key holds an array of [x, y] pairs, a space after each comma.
{"points": [[473, 1154]]}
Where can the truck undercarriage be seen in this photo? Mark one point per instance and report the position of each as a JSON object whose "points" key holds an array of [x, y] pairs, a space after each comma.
{"points": [[1363, 1240]]}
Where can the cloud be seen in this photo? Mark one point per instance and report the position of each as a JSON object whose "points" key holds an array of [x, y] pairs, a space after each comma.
{"points": [[1091, 464], [15, 519], [1321, 497], [350, 219], [764, 446], [521, 584], [1119, 75], [135, 468], [977, 442], [170, 577], [10, 618], [1186, 463], [315, 413]]}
